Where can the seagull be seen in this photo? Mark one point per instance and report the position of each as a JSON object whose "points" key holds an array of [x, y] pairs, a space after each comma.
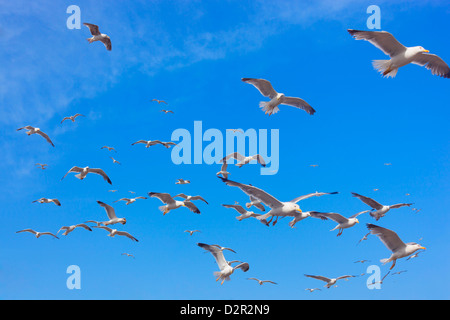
{"points": [[306, 214], [363, 238], [38, 234], [381, 281], [415, 255], [255, 202], [225, 268], [167, 111], [33, 130], [223, 170], [159, 101], [97, 36], [191, 231], [98, 223], [379, 210], [236, 130], [223, 248], [112, 190], [270, 107], [43, 166], [399, 272], [388, 164], [109, 148], [277, 208], [132, 192], [111, 215], [393, 242], [244, 213], [244, 160], [72, 117], [130, 200], [313, 165], [190, 198], [150, 143], [69, 229], [114, 232], [312, 290], [182, 181], [361, 261], [171, 203], [329, 281], [400, 55], [343, 222], [46, 200], [261, 282], [128, 255], [115, 161], [84, 171]]}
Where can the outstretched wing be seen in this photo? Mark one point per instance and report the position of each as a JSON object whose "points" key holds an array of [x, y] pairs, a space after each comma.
{"points": [[298, 103], [73, 169], [164, 197], [381, 39], [389, 238], [192, 207], [235, 155], [432, 62], [318, 277], [109, 210], [93, 28], [217, 254], [102, 173], [315, 194], [45, 136], [237, 207], [368, 201], [264, 86]]}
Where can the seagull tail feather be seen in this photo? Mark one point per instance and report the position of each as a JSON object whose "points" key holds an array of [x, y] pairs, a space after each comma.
{"points": [[384, 261], [248, 204], [162, 208], [239, 218], [78, 176], [384, 67], [268, 108]]}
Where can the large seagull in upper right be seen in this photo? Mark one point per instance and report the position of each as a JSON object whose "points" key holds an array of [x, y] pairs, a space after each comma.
{"points": [[271, 106], [400, 55]]}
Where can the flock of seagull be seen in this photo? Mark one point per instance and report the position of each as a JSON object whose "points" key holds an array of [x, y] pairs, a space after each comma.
{"points": [[258, 198]]}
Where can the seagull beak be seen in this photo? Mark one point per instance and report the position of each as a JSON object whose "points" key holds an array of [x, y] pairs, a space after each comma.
{"points": [[423, 248], [426, 51], [357, 221], [299, 210]]}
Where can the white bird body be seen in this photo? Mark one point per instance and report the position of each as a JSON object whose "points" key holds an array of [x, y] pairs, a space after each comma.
{"points": [[82, 173], [329, 281], [172, 204], [46, 200], [69, 229], [343, 222], [113, 219]]}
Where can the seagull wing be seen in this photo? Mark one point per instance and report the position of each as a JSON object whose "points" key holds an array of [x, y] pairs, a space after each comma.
{"points": [[107, 42], [434, 63], [243, 266], [315, 194], [199, 198], [260, 159], [181, 195], [381, 39], [336, 217], [318, 278], [258, 205], [237, 207], [93, 28], [164, 197], [103, 227], [389, 238], [344, 277], [45, 136], [264, 86], [192, 207], [27, 230], [359, 213], [399, 205], [82, 225], [140, 141], [257, 193], [50, 234], [27, 128], [64, 119], [102, 173], [73, 169], [109, 210], [368, 201], [298, 103], [235, 155], [217, 254], [126, 234]]}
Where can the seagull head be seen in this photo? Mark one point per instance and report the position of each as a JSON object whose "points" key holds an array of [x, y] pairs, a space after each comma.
{"points": [[297, 208], [280, 96], [123, 221], [356, 220]]}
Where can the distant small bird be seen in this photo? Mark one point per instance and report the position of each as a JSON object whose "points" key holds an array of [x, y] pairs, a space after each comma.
{"points": [[115, 161], [167, 111], [109, 148], [182, 181], [314, 165], [130, 200], [128, 255], [43, 166], [159, 101], [97, 36], [46, 200], [415, 255], [82, 173], [191, 231], [361, 261], [416, 210], [244, 214], [261, 282], [33, 130], [270, 107], [132, 192], [330, 281], [312, 290], [112, 190], [191, 198], [111, 215], [363, 238], [150, 143], [379, 210], [37, 234], [236, 130], [115, 232], [388, 164], [381, 281], [255, 202], [72, 117], [399, 272], [69, 229], [244, 160]]}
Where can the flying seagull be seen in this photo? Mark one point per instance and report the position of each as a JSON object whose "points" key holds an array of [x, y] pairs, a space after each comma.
{"points": [[343, 222], [244, 160], [43, 166], [46, 200], [33, 130], [128, 255], [111, 215], [97, 36], [182, 181], [415, 255], [72, 117], [379, 210], [191, 231], [114, 232], [109, 148], [277, 208], [130, 200], [244, 213], [69, 229], [167, 111], [82, 173], [270, 107], [363, 238], [393, 242], [190, 198], [159, 101], [225, 268], [329, 281], [223, 170], [400, 55], [171, 203], [381, 281], [255, 202], [306, 214], [37, 234], [312, 289], [149, 143], [115, 161], [261, 282]]}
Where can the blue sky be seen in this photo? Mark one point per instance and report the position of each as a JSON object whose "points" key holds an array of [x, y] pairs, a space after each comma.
{"points": [[193, 54]]}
